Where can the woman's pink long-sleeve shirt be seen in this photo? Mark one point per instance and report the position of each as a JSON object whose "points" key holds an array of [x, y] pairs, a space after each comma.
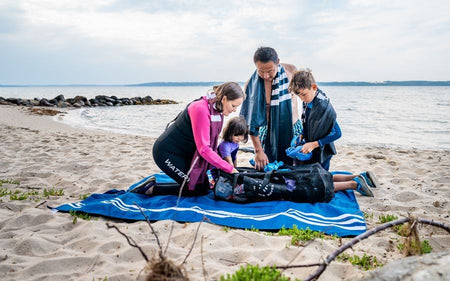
{"points": [[201, 125]]}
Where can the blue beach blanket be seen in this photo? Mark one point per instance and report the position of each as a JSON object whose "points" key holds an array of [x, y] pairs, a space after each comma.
{"points": [[341, 216]]}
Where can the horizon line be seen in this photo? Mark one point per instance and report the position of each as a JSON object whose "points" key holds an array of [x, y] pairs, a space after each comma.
{"points": [[212, 83]]}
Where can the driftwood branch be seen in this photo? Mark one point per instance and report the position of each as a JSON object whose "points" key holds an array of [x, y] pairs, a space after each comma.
{"points": [[205, 273], [40, 204], [296, 256], [434, 223], [152, 229], [130, 241], [193, 242], [359, 238]]}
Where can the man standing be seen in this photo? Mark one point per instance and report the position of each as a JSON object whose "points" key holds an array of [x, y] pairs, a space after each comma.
{"points": [[269, 109]]}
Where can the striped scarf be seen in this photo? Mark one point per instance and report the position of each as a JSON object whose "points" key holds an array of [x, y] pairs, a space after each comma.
{"points": [[276, 135], [279, 93]]}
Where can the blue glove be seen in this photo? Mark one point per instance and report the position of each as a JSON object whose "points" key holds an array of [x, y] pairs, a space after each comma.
{"points": [[295, 152], [273, 166], [269, 167], [296, 141]]}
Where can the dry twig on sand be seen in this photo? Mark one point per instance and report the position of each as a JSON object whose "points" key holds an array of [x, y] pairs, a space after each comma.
{"points": [[163, 269], [130, 241], [359, 238]]}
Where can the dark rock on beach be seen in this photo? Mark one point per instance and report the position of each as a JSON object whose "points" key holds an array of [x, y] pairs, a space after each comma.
{"points": [[79, 101]]}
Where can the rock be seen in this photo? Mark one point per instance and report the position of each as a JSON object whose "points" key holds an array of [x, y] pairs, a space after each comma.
{"points": [[108, 99], [34, 102], [45, 102], [26, 103], [80, 98], [60, 98], [15, 101], [3, 101], [63, 104], [101, 98], [147, 100], [81, 101], [429, 267]]}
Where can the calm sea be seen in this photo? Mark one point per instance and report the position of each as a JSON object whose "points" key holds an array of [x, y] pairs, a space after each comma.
{"points": [[393, 116]]}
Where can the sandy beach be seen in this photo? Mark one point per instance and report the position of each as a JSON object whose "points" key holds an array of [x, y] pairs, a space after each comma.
{"points": [[39, 153]]}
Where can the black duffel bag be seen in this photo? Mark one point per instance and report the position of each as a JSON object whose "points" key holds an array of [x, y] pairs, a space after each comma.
{"points": [[306, 184]]}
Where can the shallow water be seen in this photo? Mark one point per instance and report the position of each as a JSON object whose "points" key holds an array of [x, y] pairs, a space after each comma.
{"points": [[394, 116]]}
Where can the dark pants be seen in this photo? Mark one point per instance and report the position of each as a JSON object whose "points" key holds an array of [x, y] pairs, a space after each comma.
{"points": [[175, 164]]}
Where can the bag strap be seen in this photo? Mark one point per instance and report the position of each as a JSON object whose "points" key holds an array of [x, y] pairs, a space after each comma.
{"points": [[235, 179], [267, 177]]}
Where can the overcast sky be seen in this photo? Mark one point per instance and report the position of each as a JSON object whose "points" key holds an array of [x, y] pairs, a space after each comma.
{"points": [[137, 41]]}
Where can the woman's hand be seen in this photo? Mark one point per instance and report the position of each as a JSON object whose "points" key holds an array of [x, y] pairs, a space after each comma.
{"points": [[234, 171]]}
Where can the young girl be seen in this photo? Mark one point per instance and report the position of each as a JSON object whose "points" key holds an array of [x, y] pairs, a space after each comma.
{"points": [[236, 131]]}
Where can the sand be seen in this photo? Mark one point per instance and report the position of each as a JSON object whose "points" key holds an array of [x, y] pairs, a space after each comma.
{"points": [[36, 244]]}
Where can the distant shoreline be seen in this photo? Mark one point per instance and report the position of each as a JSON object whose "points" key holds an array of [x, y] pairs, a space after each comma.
{"points": [[212, 83]]}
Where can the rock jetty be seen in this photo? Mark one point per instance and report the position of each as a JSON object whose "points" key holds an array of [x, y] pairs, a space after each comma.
{"points": [[80, 101]]}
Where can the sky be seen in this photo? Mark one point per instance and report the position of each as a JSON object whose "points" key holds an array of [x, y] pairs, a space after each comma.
{"points": [[137, 41]]}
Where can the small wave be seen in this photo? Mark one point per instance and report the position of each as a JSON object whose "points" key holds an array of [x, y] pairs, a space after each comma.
{"points": [[401, 122]]}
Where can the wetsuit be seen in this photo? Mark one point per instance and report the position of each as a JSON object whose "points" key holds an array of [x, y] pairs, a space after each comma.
{"points": [[319, 124], [193, 133]]}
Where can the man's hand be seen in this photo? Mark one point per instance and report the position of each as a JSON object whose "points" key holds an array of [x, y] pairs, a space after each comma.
{"points": [[261, 160]]}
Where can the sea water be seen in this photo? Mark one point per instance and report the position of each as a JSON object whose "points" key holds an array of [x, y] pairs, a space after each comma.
{"points": [[393, 116]]}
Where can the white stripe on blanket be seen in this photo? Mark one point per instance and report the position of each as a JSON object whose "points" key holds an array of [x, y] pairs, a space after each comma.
{"points": [[310, 218]]}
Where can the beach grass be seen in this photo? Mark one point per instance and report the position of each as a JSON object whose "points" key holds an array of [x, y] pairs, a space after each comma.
{"points": [[366, 262], [254, 272]]}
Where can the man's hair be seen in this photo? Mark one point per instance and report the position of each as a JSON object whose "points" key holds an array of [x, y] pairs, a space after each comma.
{"points": [[301, 79], [236, 126], [265, 54]]}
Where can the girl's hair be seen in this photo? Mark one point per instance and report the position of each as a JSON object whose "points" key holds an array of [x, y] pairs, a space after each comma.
{"points": [[301, 79], [236, 126], [231, 90]]}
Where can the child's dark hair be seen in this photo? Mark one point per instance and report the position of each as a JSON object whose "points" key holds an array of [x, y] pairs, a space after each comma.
{"points": [[236, 126], [301, 79]]}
